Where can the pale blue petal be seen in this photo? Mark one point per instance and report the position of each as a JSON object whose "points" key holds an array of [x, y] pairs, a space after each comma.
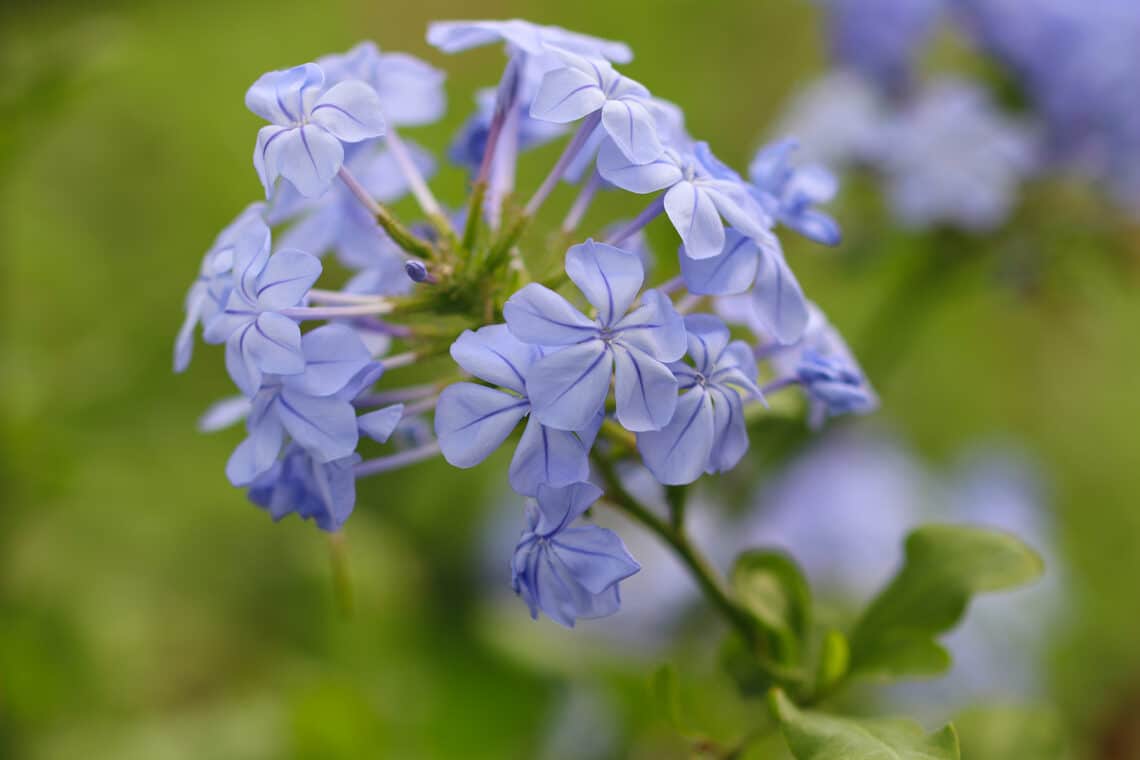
{"points": [[250, 256], [647, 177], [471, 421], [240, 365], [566, 95], [315, 232], [495, 355], [609, 277], [546, 456], [267, 145], [631, 126], [536, 314], [257, 453], [309, 157], [813, 184], [655, 327], [380, 424], [696, 220], [644, 389], [224, 413], [287, 277], [273, 342], [569, 386], [595, 557], [730, 440], [184, 343], [708, 337], [781, 308], [411, 91], [733, 271], [326, 427], [285, 97], [376, 169], [677, 454], [350, 111], [558, 507], [740, 209], [363, 380], [815, 225], [334, 354]]}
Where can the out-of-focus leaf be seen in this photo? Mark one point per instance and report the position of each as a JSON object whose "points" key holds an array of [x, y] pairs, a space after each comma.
{"points": [[816, 736], [945, 566], [772, 587]]}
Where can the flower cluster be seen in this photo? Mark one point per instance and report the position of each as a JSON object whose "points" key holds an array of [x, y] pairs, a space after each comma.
{"points": [[602, 366]]}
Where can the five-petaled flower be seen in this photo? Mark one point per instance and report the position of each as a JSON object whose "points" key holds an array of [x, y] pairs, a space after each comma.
{"points": [[569, 573], [472, 420], [259, 339], [308, 125], [568, 386], [789, 193], [707, 432]]}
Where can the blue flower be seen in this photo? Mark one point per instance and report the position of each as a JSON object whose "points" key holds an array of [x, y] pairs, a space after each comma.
{"points": [[707, 432], [468, 146], [410, 91], [568, 386], [569, 573], [532, 39], [308, 125], [314, 407], [777, 300], [258, 337], [699, 191], [324, 492], [584, 86], [211, 289], [788, 194], [471, 421]]}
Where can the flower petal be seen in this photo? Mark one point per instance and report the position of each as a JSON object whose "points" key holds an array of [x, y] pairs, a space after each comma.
{"points": [[546, 456], [273, 342], [647, 177], [609, 277], [287, 277], [350, 111], [495, 355], [471, 421], [222, 414], [266, 147], [595, 557], [309, 157], [284, 97], [781, 307], [645, 390], [536, 314], [334, 354], [730, 436], [257, 453], [558, 507], [566, 95], [733, 271], [677, 454], [696, 220], [632, 128], [326, 427], [708, 336], [655, 327], [568, 387], [380, 424]]}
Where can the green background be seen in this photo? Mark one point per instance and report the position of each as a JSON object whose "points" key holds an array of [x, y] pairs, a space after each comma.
{"points": [[148, 611]]}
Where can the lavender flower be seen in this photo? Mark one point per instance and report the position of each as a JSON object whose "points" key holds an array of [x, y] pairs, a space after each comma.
{"points": [[569, 573], [471, 421], [308, 125], [707, 432], [789, 194], [568, 387], [324, 492], [409, 90]]}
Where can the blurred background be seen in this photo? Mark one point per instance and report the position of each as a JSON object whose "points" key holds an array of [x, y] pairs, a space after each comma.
{"points": [[147, 610]]}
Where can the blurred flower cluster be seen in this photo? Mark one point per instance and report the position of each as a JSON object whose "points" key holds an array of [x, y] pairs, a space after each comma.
{"points": [[954, 150]]}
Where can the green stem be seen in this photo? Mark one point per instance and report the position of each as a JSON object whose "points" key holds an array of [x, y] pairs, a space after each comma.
{"points": [[502, 247], [702, 571], [401, 235], [474, 215], [342, 582]]}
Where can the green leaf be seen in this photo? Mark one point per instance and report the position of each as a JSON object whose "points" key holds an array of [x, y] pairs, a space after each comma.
{"points": [[834, 659], [665, 692], [1013, 732], [945, 566], [771, 586], [815, 736]]}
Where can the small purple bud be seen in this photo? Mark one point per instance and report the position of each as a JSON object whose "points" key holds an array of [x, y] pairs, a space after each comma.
{"points": [[418, 272]]}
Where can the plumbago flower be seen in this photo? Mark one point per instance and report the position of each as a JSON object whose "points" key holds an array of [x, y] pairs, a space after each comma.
{"points": [[568, 387], [707, 432], [565, 572], [789, 194], [308, 126], [471, 421]]}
